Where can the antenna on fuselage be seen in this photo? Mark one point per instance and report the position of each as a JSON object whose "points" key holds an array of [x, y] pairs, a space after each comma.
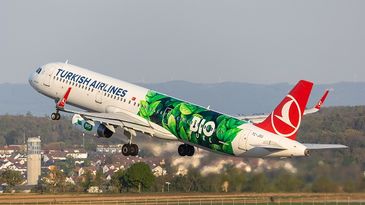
{"points": [[66, 61]]}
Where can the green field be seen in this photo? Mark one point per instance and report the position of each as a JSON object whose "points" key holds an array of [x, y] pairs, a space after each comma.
{"points": [[184, 199]]}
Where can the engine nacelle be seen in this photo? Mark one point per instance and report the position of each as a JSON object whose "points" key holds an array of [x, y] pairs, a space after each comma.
{"points": [[95, 128]]}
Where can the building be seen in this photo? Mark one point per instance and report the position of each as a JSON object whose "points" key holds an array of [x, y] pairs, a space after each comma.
{"points": [[33, 160], [109, 148]]}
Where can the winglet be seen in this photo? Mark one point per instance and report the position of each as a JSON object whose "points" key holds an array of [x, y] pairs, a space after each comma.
{"points": [[321, 101], [62, 102]]}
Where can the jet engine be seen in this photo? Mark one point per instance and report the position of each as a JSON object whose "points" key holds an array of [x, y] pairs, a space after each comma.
{"points": [[92, 127]]}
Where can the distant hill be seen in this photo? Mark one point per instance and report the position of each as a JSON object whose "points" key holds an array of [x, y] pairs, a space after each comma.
{"points": [[228, 97]]}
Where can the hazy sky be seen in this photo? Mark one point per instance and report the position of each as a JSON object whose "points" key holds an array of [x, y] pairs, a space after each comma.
{"points": [[200, 41]]}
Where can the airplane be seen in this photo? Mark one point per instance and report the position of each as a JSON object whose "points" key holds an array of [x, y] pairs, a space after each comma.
{"points": [[110, 104]]}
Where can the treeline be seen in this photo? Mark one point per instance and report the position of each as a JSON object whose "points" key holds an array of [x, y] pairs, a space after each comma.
{"points": [[139, 178]]}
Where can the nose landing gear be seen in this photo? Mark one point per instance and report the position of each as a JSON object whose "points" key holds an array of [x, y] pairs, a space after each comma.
{"points": [[55, 116]]}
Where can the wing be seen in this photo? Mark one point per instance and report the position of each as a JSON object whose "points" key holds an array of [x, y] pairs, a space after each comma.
{"points": [[260, 118], [121, 118]]}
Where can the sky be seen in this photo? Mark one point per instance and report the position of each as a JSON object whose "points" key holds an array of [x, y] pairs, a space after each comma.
{"points": [[204, 41]]}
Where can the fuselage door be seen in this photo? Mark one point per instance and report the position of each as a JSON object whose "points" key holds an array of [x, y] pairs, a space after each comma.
{"points": [[99, 97], [243, 139]]}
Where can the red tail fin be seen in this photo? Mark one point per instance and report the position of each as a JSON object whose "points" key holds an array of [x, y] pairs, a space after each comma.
{"points": [[321, 101], [287, 116]]}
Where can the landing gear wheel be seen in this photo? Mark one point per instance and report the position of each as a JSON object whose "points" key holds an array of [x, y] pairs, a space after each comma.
{"points": [[126, 149], [134, 150], [181, 150], [55, 116], [190, 150], [186, 150], [130, 150]]}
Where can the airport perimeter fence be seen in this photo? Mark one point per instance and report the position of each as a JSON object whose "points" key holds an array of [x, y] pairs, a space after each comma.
{"points": [[192, 201]]}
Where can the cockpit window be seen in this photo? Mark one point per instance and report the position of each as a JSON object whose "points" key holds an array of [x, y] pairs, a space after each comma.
{"points": [[39, 70]]}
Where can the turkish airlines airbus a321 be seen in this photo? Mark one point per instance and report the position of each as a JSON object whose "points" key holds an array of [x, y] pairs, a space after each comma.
{"points": [[110, 104]]}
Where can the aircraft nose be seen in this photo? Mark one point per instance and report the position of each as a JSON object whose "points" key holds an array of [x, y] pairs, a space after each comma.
{"points": [[33, 80], [30, 79]]}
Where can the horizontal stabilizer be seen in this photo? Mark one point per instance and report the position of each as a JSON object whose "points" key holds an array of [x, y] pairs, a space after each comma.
{"points": [[325, 146]]}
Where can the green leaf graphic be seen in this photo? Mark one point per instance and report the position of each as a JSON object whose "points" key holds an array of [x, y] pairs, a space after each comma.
{"points": [[176, 111], [164, 125], [221, 130], [227, 148], [155, 98], [183, 134], [172, 124], [143, 112], [220, 118], [231, 134], [194, 138], [231, 123], [216, 147], [153, 106], [186, 109]]}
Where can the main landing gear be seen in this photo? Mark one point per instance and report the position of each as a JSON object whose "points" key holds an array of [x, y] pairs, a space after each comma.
{"points": [[55, 116], [186, 150], [130, 149]]}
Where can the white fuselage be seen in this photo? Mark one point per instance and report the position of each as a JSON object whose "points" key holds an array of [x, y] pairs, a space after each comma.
{"points": [[99, 93]]}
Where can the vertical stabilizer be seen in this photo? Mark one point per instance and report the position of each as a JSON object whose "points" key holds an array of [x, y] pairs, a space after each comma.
{"points": [[287, 116]]}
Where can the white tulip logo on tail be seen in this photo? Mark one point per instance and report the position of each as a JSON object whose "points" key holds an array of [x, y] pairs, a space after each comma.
{"points": [[286, 121]]}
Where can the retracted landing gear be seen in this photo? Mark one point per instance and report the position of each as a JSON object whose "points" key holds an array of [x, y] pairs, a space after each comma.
{"points": [[55, 116], [130, 149], [186, 150]]}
